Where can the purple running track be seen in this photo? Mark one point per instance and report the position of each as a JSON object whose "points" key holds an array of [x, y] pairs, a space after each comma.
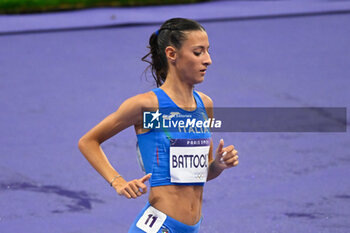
{"points": [[56, 86]]}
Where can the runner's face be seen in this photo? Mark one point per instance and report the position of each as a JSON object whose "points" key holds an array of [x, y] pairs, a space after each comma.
{"points": [[193, 58]]}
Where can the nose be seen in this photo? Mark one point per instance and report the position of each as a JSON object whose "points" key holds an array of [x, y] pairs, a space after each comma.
{"points": [[207, 60]]}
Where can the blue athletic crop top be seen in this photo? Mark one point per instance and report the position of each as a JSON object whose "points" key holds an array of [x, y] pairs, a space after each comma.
{"points": [[177, 153]]}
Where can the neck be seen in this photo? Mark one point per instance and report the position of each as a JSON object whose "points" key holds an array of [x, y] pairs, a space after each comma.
{"points": [[179, 90]]}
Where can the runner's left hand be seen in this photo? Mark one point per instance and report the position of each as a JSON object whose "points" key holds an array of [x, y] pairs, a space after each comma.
{"points": [[226, 157]]}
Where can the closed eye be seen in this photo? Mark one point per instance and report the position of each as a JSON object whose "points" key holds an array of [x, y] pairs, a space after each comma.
{"points": [[198, 53]]}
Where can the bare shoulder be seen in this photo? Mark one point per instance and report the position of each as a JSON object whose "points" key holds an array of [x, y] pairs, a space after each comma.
{"points": [[144, 100], [141, 102], [208, 102]]}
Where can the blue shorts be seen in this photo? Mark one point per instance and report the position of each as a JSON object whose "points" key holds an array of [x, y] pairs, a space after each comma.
{"points": [[151, 220]]}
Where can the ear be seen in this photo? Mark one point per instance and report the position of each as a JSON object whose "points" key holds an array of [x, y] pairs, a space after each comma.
{"points": [[170, 53]]}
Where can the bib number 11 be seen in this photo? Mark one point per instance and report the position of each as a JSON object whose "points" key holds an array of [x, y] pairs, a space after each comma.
{"points": [[151, 220], [154, 219]]}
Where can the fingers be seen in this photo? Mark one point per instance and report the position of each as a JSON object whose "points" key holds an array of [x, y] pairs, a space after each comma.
{"points": [[220, 146], [232, 161], [142, 186], [139, 188], [230, 155], [134, 188], [124, 193], [229, 148], [146, 177], [130, 193], [230, 158]]}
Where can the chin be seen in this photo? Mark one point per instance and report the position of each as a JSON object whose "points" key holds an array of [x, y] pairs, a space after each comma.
{"points": [[200, 80], [196, 80]]}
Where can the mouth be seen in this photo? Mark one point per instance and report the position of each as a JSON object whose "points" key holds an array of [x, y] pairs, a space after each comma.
{"points": [[203, 71]]}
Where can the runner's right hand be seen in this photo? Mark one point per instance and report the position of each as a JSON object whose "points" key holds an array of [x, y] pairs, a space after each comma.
{"points": [[134, 188]]}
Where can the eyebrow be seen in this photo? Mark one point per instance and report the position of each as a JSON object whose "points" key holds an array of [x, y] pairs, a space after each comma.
{"points": [[199, 46]]}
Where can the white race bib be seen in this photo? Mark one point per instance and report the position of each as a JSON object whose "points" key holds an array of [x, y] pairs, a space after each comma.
{"points": [[151, 220], [189, 160]]}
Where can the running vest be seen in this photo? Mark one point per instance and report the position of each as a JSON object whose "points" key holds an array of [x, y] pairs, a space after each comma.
{"points": [[177, 153]]}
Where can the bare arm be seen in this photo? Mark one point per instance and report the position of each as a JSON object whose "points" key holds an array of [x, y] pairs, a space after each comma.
{"points": [[128, 114]]}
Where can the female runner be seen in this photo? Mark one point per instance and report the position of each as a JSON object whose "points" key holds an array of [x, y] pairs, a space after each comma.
{"points": [[178, 161]]}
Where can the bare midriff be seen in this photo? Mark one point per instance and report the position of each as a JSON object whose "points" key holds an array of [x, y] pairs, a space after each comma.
{"points": [[181, 202]]}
